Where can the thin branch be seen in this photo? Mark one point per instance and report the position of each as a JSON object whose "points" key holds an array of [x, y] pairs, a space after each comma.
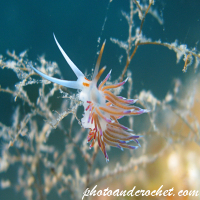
{"points": [[129, 58], [96, 150], [130, 166]]}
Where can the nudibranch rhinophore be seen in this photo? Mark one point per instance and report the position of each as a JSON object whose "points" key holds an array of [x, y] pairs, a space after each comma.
{"points": [[102, 109]]}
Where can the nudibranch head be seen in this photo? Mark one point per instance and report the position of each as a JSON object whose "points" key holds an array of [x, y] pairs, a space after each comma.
{"points": [[102, 109]]}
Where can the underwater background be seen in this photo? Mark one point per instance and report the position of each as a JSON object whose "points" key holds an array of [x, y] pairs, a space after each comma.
{"points": [[77, 26], [29, 25]]}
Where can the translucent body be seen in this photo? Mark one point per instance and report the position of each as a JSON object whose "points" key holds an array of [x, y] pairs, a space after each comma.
{"points": [[102, 109]]}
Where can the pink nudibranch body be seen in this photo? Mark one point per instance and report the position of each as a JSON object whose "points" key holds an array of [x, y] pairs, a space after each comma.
{"points": [[102, 109]]}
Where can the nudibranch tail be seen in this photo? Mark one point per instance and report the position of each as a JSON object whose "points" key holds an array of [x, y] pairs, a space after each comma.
{"points": [[102, 109]]}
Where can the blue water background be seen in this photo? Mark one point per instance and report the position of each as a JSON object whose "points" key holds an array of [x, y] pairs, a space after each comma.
{"points": [[78, 24]]}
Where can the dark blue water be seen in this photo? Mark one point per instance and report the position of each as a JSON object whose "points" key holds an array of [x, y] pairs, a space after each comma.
{"points": [[78, 24]]}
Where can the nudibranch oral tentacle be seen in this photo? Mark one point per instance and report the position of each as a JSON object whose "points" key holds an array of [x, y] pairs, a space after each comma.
{"points": [[102, 109], [71, 64]]}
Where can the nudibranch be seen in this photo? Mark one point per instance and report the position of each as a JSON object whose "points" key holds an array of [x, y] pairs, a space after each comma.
{"points": [[102, 109]]}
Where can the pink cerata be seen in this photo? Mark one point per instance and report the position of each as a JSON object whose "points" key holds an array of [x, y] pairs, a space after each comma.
{"points": [[102, 109]]}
